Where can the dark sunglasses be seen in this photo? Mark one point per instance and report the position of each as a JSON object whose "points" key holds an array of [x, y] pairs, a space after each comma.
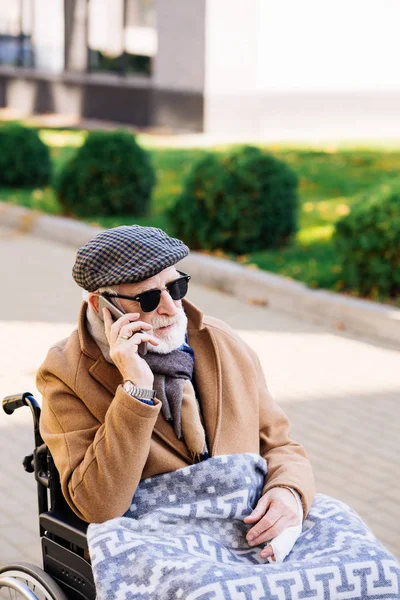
{"points": [[150, 299]]}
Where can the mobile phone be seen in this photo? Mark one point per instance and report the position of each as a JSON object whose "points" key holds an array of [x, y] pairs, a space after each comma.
{"points": [[116, 313]]}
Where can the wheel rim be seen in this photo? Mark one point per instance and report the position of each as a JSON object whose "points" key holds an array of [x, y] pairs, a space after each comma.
{"points": [[31, 583], [15, 589]]}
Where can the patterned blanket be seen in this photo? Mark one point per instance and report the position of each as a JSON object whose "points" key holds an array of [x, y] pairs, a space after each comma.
{"points": [[184, 538]]}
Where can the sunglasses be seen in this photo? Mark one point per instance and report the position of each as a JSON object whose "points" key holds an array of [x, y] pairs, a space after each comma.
{"points": [[150, 299]]}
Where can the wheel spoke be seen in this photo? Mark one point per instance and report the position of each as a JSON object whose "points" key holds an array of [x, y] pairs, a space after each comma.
{"points": [[12, 594]]}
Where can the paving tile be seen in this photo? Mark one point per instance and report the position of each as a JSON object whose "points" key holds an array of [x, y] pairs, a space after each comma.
{"points": [[9, 552], [14, 504], [33, 553], [29, 521], [4, 520], [18, 535], [389, 507]]}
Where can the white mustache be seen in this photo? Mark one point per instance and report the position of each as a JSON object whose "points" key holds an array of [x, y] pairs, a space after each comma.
{"points": [[171, 339], [161, 321]]}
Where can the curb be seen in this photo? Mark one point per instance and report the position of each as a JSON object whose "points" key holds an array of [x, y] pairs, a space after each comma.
{"points": [[343, 313]]}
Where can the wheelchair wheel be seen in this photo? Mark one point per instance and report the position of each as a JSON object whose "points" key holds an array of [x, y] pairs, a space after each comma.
{"points": [[24, 580]]}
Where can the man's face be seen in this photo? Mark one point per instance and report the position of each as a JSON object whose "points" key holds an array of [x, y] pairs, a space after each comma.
{"points": [[168, 319]]}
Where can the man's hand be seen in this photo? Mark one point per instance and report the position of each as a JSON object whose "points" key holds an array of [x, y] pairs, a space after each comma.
{"points": [[275, 511], [124, 337]]}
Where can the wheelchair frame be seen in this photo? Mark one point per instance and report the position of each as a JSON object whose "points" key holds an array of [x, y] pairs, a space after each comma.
{"points": [[63, 534]]}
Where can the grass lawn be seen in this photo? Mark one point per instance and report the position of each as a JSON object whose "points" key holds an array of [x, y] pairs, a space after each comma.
{"points": [[330, 181]]}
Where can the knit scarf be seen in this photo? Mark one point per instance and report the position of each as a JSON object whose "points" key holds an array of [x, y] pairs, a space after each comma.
{"points": [[172, 382]]}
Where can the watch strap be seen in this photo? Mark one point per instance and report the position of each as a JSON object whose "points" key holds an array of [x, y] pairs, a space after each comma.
{"points": [[137, 392]]}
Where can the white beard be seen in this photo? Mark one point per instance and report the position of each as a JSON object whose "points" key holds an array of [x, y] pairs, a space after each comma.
{"points": [[173, 339]]}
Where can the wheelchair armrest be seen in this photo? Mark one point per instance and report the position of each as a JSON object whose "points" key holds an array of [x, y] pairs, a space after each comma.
{"points": [[66, 525]]}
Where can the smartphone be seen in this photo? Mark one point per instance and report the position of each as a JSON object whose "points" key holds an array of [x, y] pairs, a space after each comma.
{"points": [[116, 313]]}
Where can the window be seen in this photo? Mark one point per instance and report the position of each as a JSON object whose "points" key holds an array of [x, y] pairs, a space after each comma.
{"points": [[16, 48], [32, 34], [122, 36]]}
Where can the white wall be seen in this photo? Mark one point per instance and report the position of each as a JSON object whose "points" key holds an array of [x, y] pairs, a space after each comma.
{"points": [[9, 17], [329, 45], [106, 26], [179, 63], [231, 46], [48, 35]]}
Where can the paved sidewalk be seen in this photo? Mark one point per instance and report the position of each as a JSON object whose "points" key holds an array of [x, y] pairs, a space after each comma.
{"points": [[342, 394]]}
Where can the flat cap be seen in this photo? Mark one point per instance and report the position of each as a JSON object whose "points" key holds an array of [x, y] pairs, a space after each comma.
{"points": [[125, 254]]}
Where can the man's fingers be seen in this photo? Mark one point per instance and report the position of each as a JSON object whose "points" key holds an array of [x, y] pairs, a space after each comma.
{"points": [[270, 533], [125, 347], [119, 323], [271, 517], [259, 510], [267, 552], [134, 327], [138, 337], [273, 520]]}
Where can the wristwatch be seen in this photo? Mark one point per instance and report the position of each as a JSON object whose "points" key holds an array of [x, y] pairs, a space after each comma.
{"points": [[138, 392]]}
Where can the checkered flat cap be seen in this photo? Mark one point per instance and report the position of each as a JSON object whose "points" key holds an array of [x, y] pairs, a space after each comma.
{"points": [[125, 254]]}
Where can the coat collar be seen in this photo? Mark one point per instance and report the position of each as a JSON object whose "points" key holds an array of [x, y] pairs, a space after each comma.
{"points": [[207, 375]]}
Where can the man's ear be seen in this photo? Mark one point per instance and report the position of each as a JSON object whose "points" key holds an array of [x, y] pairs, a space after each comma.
{"points": [[93, 300]]}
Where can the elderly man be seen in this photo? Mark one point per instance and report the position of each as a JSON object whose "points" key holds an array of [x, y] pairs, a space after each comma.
{"points": [[112, 416]]}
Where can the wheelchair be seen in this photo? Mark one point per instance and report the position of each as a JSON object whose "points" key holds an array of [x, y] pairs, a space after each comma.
{"points": [[66, 572]]}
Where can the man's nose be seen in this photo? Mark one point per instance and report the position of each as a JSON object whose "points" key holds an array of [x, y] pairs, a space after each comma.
{"points": [[167, 305]]}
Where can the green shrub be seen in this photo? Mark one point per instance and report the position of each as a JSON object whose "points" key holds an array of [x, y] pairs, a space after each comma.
{"points": [[24, 158], [110, 175], [368, 244], [241, 201]]}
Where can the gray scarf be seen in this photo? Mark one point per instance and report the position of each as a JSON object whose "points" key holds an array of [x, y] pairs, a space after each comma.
{"points": [[170, 371]]}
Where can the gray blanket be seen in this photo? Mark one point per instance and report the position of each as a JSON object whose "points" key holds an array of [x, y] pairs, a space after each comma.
{"points": [[184, 538]]}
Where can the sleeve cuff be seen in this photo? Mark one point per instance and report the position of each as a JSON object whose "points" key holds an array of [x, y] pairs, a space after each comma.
{"points": [[145, 401], [141, 409]]}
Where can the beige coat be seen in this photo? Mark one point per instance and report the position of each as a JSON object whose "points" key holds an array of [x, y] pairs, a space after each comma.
{"points": [[104, 442]]}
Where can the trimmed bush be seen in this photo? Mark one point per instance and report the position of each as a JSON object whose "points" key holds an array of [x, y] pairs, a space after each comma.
{"points": [[110, 175], [241, 201], [368, 244], [24, 159]]}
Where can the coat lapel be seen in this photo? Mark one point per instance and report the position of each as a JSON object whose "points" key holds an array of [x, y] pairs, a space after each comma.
{"points": [[166, 432], [106, 374], [207, 375]]}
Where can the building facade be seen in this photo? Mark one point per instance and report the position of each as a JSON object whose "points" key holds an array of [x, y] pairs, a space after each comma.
{"points": [[219, 66]]}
